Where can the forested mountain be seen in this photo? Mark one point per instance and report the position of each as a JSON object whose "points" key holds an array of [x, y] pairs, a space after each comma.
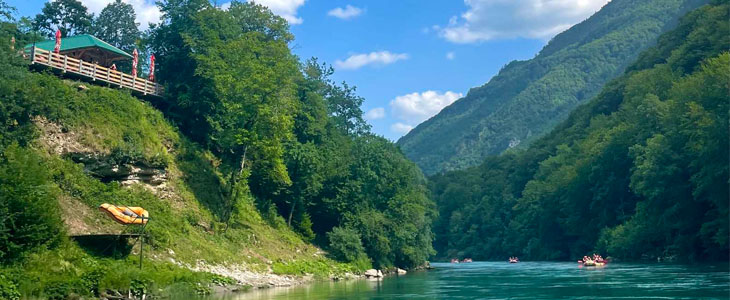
{"points": [[527, 98], [640, 171]]}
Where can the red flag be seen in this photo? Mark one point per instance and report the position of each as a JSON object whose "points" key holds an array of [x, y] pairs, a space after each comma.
{"points": [[152, 68], [135, 56], [58, 41]]}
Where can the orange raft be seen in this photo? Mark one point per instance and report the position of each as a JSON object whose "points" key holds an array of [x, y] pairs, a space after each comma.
{"points": [[125, 215]]}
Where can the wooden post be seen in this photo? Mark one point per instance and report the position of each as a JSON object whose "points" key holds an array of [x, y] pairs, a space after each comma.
{"points": [[50, 57], [93, 73], [32, 54], [145, 86], [141, 249], [65, 63]]}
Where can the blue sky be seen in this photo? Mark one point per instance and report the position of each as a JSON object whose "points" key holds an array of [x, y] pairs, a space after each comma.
{"points": [[408, 58]]}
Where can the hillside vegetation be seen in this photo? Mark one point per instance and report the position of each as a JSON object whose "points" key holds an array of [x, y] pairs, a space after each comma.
{"points": [[639, 172], [256, 158], [528, 98]]}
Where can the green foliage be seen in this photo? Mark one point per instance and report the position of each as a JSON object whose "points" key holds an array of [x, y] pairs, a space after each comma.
{"points": [[528, 98], [638, 172], [286, 156], [345, 244], [6, 12], [68, 16], [73, 273], [29, 212], [295, 141], [8, 290], [243, 97], [116, 25], [188, 216], [319, 268]]}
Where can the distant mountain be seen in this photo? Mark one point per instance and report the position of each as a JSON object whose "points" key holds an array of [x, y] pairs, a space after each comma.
{"points": [[527, 98], [638, 172]]}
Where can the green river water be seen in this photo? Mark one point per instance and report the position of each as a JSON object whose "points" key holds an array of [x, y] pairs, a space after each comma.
{"points": [[525, 280]]}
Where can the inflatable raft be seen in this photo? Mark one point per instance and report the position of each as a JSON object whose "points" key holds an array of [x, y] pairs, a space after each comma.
{"points": [[592, 263], [125, 215]]}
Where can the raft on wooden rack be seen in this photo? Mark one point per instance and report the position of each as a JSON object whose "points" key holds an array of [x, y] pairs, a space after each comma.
{"points": [[125, 215]]}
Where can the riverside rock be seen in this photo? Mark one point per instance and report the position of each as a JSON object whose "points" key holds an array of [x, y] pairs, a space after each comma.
{"points": [[372, 273]]}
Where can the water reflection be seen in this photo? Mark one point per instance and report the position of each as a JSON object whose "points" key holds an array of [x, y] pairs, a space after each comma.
{"points": [[526, 280]]}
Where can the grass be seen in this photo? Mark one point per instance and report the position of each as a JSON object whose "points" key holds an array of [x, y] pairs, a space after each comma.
{"points": [[320, 268]]}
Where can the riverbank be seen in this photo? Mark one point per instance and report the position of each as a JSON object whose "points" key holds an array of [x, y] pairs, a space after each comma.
{"points": [[249, 280], [527, 280], [267, 279]]}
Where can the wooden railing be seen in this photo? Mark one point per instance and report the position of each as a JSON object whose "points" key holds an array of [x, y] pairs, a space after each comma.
{"points": [[93, 71]]}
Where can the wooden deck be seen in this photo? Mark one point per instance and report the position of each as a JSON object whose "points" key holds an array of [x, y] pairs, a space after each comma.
{"points": [[94, 71]]}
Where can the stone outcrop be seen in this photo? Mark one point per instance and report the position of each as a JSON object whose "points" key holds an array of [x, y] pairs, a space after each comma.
{"points": [[372, 273], [127, 170], [58, 139], [116, 166]]}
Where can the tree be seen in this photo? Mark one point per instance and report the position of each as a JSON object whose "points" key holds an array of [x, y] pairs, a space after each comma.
{"points": [[68, 16], [6, 12], [116, 25], [641, 171], [237, 95], [289, 136], [29, 211]]}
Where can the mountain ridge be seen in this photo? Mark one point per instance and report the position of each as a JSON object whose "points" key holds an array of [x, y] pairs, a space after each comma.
{"points": [[527, 98]]}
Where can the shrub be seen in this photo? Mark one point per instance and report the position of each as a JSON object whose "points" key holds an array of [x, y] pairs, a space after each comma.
{"points": [[345, 244], [29, 211], [8, 290]]}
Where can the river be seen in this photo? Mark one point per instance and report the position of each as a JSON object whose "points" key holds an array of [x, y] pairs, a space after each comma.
{"points": [[525, 280]]}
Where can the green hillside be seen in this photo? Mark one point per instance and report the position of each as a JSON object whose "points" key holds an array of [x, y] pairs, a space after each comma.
{"points": [[639, 172], [527, 98], [256, 168]]}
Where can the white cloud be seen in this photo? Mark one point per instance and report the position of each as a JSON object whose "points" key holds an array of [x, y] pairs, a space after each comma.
{"points": [[493, 19], [415, 108], [401, 128], [146, 10], [450, 55], [357, 61], [225, 6], [345, 13], [287, 9], [375, 113]]}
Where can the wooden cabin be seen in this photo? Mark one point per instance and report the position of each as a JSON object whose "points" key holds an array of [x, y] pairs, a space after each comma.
{"points": [[91, 58]]}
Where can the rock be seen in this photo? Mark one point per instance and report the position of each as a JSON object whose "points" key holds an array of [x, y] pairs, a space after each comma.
{"points": [[400, 271], [82, 87], [126, 170], [57, 138], [371, 273]]}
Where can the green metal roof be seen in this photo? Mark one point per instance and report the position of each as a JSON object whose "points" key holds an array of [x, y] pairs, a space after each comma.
{"points": [[79, 42]]}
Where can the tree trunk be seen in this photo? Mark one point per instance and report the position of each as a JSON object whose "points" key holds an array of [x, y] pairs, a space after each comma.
{"points": [[233, 194], [291, 211]]}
